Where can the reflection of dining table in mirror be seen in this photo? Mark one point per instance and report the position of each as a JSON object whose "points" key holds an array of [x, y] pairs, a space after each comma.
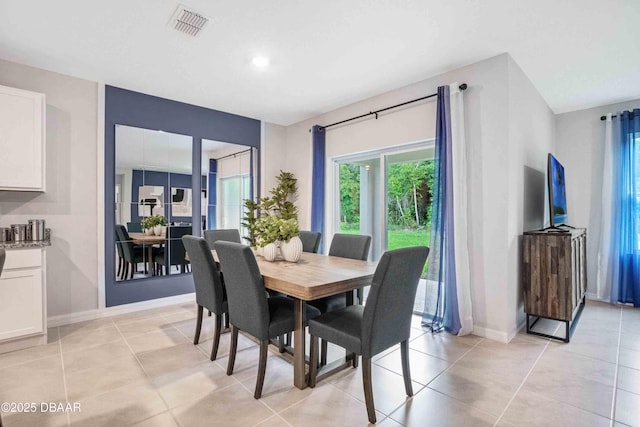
{"points": [[148, 241]]}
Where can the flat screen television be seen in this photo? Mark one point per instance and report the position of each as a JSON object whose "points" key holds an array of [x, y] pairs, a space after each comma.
{"points": [[557, 192]]}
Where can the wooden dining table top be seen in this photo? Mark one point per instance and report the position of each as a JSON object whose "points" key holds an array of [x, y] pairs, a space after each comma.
{"points": [[314, 276], [144, 239]]}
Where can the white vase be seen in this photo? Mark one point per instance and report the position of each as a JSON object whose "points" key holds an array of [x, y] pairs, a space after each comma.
{"points": [[148, 231], [270, 252], [157, 230], [292, 249]]}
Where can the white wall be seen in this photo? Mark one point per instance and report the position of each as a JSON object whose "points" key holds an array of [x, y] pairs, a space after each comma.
{"points": [[580, 141], [531, 138], [496, 201], [273, 157], [69, 205]]}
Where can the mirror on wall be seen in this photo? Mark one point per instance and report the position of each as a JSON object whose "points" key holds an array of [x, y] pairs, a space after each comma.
{"points": [[154, 202], [229, 170]]}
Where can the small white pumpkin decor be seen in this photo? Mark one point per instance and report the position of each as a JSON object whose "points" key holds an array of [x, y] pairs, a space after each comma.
{"points": [[270, 252], [292, 249]]}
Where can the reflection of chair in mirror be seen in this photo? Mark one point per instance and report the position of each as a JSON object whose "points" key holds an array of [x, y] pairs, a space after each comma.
{"points": [[131, 254], [134, 227], [226, 235], [174, 252]]}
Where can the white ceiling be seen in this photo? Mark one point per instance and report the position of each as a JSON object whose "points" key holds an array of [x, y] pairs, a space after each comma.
{"points": [[326, 54]]}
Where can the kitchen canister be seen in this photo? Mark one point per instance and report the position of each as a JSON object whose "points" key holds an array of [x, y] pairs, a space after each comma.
{"points": [[35, 230], [5, 235], [19, 232]]}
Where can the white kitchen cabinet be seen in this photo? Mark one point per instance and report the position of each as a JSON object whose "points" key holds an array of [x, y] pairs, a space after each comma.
{"points": [[22, 140], [23, 299]]}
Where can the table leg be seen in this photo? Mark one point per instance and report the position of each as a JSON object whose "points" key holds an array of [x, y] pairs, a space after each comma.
{"points": [[299, 371], [150, 260]]}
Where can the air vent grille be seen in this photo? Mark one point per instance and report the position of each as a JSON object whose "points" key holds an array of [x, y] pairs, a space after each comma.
{"points": [[188, 22]]}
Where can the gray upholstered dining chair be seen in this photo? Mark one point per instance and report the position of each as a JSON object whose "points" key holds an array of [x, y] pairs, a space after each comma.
{"points": [[249, 308], [226, 235], [353, 246], [132, 254], [210, 292], [310, 241], [382, 323]]}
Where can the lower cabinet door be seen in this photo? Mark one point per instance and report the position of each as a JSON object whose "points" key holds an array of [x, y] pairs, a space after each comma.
{"points": [[20, 303]]}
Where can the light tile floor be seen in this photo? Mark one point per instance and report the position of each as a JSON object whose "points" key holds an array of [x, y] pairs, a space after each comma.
{"points": [[142, 369]]}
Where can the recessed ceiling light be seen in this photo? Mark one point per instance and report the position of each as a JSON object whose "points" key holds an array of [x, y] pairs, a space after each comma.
{"points": [[260, 61]]}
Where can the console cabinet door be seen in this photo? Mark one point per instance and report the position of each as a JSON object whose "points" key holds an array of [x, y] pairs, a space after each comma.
{"points": [[20, 303], [22, 140]]}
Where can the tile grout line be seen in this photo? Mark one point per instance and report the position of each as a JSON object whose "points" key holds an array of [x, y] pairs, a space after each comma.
{"points": [[615, 378], [64, 375], [524, 380], [166, 405]]}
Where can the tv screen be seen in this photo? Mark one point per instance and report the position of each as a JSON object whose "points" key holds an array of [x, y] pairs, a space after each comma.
{"points": [[557, 193]]}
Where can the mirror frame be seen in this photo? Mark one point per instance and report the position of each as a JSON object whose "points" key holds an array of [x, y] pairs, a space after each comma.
{"points": [[125, 107]]}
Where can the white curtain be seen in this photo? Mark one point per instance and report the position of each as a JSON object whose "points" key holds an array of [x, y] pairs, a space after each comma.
{"points": [[460, 221], [605, 264]]}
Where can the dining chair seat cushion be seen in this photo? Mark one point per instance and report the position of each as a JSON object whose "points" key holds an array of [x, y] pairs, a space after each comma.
{"points": [[334, 302], [342, 327], [281, 315]]}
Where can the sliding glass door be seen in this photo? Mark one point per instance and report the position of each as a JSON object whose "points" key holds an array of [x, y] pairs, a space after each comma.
{"points": [[386, 194]]}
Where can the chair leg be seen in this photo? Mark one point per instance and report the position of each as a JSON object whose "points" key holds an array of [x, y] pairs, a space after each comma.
{"points": [[262, 367], [354, 361], [406, 373], [125, 271], [226, 320], [368, 389], [216, 338], [133, 270], [209, 313], [119, 267], [360, 295], [313, 361], [323, 352], [196, 338], [232, 349], [281, 345]]}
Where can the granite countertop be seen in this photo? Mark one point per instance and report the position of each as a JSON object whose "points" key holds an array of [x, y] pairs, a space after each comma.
{"points": [[25, 244]]}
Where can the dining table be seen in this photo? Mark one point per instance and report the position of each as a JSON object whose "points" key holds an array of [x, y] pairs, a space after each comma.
{"points": [[314, 276], [148, 241]]}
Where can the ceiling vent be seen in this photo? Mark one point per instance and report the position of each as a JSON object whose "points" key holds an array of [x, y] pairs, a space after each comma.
{"points": [[187, 21]]}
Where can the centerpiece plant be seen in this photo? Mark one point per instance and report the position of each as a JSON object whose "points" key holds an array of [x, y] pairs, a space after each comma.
{"points": [[273, 222], [154, 224]]}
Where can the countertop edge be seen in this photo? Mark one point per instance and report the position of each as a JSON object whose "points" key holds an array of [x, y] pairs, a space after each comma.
{"points": [[25, 245]]}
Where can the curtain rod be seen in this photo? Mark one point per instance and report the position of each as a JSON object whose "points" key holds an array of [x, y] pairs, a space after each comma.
{"points": [[603, 118], [463, 86], [233, 155]]}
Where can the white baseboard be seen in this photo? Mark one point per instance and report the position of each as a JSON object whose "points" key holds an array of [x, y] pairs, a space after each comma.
{"points": [[82, 316], [493, 334], [593, 297]]}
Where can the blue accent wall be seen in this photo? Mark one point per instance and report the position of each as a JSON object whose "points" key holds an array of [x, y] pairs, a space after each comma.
{"points": [[136, 109]]}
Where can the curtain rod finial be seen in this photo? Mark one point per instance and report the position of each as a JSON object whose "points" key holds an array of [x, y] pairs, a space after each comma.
{"points": [[463, 86], [603, 118]]}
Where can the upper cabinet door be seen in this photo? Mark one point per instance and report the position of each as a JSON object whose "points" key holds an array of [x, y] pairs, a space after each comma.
{"points": [[22, 140]]}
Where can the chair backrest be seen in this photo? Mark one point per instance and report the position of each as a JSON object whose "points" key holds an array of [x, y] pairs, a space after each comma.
{"points": [[226, 235], [310, 241], [126, 243], [387, 314], [176, 252], [206, 276], [354, 246], [119, 246], [3, 254], [248, 307], [134, 227]]}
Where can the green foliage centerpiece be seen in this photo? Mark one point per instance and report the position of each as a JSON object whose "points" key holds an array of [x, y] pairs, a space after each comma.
{"points": [[153, 224], [273, 223]]}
